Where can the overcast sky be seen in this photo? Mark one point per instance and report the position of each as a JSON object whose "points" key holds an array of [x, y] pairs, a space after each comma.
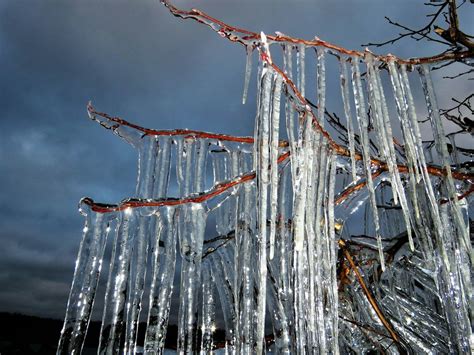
{"points": [[133, 59]]}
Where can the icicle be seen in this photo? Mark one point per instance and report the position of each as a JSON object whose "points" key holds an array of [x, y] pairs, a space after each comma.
{"points": [[248, 72], [304, 155], [289, 110], [138, 266], [364, 135], [146, 164], [261, 155], [321, 237], [219, 166], [180, 158], [164, 261], [201, 153], [284, 243], [456, 232], [433, 206], [347, 111], [441, 147], [410, 149], [191, 237], [113, 320], [301, 68], [162, 170], [226, 298], [400, 189], [225, 256], [245, 227], [385, 137], [84, 284], [274, 141], [279, 316], [208, 310], [332, 243], [189, 158], [321, 79]]}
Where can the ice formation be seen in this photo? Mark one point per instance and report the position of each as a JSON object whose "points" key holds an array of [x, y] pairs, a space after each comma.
{"points": [[266, 234]]}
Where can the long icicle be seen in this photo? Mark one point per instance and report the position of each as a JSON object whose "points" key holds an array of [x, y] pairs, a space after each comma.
{"points": [[301, 68], [208, 310], [384, 131], [332, 243], [364, 135], [440, 140], [138, 268], [410, 150], [347, 112], [261, 156], [161, 290], [84, 284], [275, 129], [191, 237], [113, 320], [321, 80]]}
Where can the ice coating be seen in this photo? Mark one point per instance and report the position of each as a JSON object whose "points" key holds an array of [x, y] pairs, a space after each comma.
{"points": [[285, 268]]}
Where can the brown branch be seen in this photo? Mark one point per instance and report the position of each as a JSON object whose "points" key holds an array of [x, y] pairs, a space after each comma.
{"points": [[353, 188], [451, 37], [461, 196], [423, 32], [453, 34], [368, 293]]}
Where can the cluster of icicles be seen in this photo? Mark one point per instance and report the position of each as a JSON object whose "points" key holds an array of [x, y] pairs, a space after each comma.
{"points": [[258, 242]]}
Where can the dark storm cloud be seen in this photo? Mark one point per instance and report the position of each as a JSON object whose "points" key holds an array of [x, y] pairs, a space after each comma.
{"points": [[135, 60]]}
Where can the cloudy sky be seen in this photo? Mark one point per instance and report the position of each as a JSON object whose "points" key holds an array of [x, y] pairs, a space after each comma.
{"points": [[133, 59]]}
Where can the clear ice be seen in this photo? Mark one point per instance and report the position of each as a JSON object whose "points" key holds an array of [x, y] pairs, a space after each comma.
{"points": [[290, 246]]}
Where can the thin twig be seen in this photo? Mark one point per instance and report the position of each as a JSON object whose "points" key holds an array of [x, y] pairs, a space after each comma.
{"points": [[368, 293]]}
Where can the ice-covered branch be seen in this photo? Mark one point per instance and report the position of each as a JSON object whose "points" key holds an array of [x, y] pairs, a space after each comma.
{"points": [[129, 131], [195, 198], [249, 38]]}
